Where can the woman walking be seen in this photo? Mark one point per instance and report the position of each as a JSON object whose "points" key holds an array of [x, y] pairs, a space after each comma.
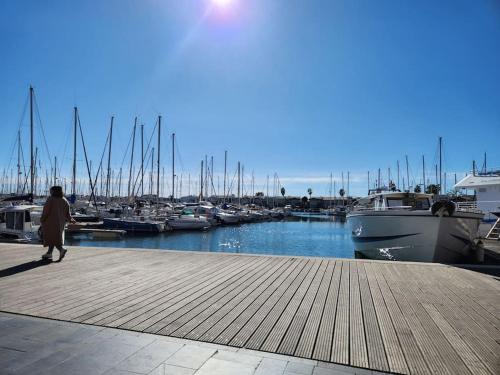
{"points": [[54, 217]]}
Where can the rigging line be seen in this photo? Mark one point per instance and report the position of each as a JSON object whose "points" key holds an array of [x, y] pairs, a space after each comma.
{"points": [[231, 184], [102, 158], [126, 150], [41, 127], [147, 149], [179, 153], [87, 163], [61, 162], [23, 113]]}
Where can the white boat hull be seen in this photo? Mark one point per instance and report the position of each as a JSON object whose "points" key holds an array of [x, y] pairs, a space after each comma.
{"points": [[414, 236]]}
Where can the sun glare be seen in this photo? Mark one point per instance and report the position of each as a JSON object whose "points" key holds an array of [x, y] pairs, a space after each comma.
{"points": [[222, 3]]}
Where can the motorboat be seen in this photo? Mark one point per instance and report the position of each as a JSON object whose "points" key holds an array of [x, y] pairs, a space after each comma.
{"points": [[20, 223], [393, 225], [133, 224], [187, 220]]}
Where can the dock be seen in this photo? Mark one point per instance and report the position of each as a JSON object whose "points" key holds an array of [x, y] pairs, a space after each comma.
{"points": [[407, 318]]}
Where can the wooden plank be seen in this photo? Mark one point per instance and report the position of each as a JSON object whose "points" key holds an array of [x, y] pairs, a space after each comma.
{"points": [[227, 328], [376, 352], [357, 346], [231, 310], [260, 335], [305, 346], [296, 325], [414, 358], [340, 345], [252, 321], [324, 341], [195, 312], [395, 357]]}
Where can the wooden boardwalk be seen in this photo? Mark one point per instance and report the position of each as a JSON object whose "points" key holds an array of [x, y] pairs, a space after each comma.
{"points": [[397, 317]]}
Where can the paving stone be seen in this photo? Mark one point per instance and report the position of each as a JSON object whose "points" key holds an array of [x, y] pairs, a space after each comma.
{"points": [[115, 371], [271, 366], [329, 371], [43, 364], [337, 367], [149, 357], [299, 368], [246, 359], [165, 369], [190, 356], [220, 367]]}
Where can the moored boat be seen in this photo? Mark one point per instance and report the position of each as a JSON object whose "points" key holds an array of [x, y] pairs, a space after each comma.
{"points": [[410, 227]]}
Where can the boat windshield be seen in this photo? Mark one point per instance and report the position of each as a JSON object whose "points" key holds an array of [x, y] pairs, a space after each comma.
{"points": [[409, 202]]}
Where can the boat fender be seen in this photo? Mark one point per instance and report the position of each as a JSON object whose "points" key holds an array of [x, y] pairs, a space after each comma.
{"points": [[443, 208]]}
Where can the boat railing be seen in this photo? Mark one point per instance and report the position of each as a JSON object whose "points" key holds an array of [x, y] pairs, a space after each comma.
{"points": [[467, 206]]}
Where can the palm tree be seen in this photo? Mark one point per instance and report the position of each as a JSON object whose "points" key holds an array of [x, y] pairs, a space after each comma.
{"points": [[283, 191], [309, 191]]}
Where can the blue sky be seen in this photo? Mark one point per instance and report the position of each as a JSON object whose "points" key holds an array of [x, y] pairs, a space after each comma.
{"points": [[298, 88]]}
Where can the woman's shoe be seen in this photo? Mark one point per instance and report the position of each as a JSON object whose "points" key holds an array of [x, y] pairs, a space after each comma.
{"points": [[47, 256], [62, 253]]}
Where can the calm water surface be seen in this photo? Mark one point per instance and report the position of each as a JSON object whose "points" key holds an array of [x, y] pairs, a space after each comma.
{"points": [[305, 236]]}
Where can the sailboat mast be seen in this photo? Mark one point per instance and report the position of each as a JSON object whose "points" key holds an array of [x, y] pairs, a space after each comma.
{"points": [[206, 176], [239, 197], [142, 159], [158, 163], [368, 180], [440, 162], [55, 170], [129, 193], [398, 171], [108, 177], [18, 187], [173, 166], [225, 173], [32, 157], [73, 175], [201, 181], [407, 173], [423, 171]]}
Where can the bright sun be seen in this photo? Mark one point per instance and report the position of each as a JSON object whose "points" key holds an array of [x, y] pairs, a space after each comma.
{"points": [[222, 3]]}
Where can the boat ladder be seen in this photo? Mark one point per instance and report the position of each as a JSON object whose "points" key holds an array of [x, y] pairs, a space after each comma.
{"points": [[494, 232]]}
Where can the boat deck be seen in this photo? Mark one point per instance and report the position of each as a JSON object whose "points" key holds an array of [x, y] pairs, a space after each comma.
{"points": [[396, 317]]}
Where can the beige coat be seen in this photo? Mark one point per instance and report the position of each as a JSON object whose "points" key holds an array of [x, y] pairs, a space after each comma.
{"points": [[54, 217]]}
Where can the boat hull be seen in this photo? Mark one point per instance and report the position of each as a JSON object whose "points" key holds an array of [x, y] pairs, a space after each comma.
{"points": [[132, 226], [414, 236]]}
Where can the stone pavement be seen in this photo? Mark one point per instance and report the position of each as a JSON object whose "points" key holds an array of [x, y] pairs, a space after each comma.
{"points": [[32, 346]]}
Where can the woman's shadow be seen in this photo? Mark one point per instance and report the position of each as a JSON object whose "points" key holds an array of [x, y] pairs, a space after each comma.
{"points": [[23, 267]]}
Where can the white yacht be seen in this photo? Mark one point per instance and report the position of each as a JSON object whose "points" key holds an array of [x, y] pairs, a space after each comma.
{"points": [[410, 227], [20, 223], [187, 220]]}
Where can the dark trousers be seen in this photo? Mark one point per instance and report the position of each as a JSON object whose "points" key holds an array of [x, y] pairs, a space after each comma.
{"points": [[51, 248]]}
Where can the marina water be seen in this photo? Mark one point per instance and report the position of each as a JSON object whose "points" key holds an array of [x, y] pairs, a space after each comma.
{"points": [[303, 236]]}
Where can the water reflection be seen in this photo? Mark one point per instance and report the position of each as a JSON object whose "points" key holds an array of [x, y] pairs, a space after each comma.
{"points": [[308, 235]]}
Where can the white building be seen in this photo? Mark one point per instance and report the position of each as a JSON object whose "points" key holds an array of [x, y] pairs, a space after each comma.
{"points": [[487, 189]]}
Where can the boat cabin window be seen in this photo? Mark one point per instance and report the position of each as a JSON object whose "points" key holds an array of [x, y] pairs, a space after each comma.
{"points": [[2, 217], [14, 220], [27, 216], [409, 202]]}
